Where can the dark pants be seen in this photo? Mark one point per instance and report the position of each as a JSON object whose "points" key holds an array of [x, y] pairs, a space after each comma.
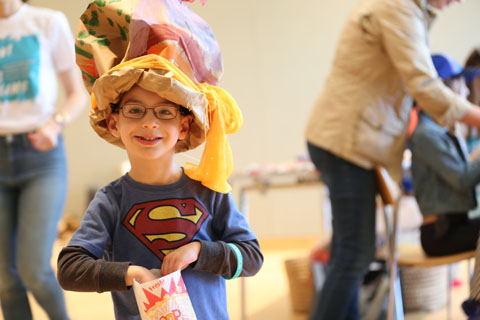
{"points": [[450, 234], [352, 195]]}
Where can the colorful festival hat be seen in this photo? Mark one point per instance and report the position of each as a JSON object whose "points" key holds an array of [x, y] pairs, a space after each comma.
{"points": [[164, 47]]}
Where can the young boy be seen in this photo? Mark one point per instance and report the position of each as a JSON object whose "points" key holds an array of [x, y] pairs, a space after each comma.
{"points": [[444, 182], [155, 219], [444, 178]]}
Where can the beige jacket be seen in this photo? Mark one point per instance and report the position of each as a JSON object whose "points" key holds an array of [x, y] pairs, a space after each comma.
{"points": [[382, 60]]}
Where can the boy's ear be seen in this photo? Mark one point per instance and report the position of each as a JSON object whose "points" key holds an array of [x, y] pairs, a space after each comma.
{"points": [[185, 126], [112, 125]]}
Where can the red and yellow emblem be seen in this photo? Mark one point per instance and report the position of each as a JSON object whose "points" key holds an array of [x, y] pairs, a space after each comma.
{"points": [[165, 225]]}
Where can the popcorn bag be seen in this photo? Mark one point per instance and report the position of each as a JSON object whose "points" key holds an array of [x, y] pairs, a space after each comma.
{"points": [[165, 298]]}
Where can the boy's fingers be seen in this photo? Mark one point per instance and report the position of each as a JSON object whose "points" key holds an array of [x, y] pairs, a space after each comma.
{"points": [[170, 266], [164, 270]]}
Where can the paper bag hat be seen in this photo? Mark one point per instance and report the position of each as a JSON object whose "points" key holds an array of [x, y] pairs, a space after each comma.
{"points": [[164, 47]]}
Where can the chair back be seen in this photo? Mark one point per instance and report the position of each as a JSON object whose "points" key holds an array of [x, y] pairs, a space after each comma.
{"points": [[390, 193], [388, 189]]}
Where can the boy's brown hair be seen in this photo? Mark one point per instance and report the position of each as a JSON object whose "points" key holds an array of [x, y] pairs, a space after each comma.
{"points": [[473, 60]]}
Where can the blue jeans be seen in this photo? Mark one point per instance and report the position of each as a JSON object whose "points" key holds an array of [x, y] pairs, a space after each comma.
{"points": [[32, 196], [352, 195]]}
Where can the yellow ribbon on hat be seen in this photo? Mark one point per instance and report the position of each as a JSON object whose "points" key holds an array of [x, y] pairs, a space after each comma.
{"points": [[224, 115]]}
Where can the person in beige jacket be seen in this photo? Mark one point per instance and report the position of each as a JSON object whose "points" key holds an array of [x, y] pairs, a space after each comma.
{"points": [[382, 62]]}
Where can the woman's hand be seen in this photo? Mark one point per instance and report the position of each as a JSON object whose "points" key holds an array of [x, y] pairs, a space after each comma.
{"points": [[45, 138], [181, 258], [140, 274]]}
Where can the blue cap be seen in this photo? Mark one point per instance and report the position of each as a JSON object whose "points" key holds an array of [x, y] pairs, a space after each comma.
{"points": [[471, 73], [446, 66]]}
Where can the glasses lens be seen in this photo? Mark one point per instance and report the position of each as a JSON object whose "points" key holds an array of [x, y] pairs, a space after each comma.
{"points": [[133, 111], [166, 112], [137, 111]]}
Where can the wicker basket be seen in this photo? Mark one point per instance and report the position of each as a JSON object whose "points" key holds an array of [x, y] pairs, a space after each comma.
{"points": [[423, 289], [300, 282]]}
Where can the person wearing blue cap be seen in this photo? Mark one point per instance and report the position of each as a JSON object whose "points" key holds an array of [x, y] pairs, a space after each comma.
{"points": [[444, 178]]}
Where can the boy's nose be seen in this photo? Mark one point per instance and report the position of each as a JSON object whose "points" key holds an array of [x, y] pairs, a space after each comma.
{"points": [[149, 119]]}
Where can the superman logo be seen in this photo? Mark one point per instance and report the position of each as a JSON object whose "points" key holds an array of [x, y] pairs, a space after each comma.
{"points": [[165, 225]]}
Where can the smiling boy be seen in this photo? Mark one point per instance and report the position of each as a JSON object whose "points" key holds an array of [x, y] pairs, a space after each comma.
{"points": [[159, 217], [156, 217]]}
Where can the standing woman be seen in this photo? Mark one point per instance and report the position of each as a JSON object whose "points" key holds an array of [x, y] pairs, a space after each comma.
{"points": [[35, 46], [360, 120]]}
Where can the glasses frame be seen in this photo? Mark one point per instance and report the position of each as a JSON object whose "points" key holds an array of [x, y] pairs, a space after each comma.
{"points": [[174, 107]]}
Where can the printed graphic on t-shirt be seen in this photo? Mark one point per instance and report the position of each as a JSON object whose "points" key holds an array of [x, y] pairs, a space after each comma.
{"points": [[19, 68], [165, 225]]}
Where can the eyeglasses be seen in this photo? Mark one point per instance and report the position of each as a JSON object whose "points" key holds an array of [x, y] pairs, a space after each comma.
{"points": [[138, 111]]}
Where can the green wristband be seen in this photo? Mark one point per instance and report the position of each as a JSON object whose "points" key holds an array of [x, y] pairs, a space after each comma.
{"points": [[239, 257]]}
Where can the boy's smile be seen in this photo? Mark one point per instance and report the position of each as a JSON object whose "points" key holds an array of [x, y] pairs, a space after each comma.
{"points": [[148, 140]]}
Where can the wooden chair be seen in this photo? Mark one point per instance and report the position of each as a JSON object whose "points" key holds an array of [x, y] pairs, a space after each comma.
{"points": [[406, 255]]}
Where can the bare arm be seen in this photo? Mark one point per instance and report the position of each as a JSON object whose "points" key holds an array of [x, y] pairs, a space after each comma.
{"points": [[45, 137], [75, 94], [472, 116]]}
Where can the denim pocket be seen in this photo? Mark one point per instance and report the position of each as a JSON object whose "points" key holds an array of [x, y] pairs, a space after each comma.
{"points": [[29, 161]]}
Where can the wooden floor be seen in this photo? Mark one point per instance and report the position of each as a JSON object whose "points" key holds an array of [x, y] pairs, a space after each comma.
{"points": [[267, 295]]}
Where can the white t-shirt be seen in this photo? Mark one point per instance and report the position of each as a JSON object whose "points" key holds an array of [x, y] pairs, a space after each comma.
{"points": [[35, 44]]}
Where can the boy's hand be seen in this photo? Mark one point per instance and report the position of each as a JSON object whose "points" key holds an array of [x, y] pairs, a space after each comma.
{"points": [[181, 257], [140, 274]]}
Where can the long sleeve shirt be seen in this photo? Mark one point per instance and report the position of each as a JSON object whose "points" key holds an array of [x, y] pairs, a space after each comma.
{"points": [[130, 223], [444, 179]]}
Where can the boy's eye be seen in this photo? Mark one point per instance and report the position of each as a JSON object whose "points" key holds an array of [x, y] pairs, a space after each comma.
{"points": [[166, 112], [133, 109]]}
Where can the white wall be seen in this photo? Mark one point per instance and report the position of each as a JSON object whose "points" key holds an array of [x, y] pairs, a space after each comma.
{"points": [[276, 55]]}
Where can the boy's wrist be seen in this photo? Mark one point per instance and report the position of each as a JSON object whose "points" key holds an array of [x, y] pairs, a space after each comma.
{"points": [[129, 276], [133, 272], [197, 244], [138, 273]]}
